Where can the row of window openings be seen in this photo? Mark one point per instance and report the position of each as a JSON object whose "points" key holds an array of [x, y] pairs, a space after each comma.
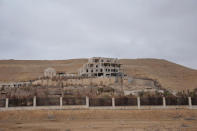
{"points": [[113, 65], [107, 70], [97, 60]]}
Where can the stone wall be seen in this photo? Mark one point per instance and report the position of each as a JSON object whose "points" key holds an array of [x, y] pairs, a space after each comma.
{"points": [[99, 81]]}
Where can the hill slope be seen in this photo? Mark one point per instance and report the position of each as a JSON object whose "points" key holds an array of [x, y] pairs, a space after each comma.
{"points": [[169, 75]]}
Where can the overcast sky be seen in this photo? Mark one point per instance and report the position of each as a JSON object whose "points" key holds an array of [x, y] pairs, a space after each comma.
{"points": [[65, 29]]}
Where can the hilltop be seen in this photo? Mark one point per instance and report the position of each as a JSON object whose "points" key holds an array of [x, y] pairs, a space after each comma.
{"points": [[170, 75]]}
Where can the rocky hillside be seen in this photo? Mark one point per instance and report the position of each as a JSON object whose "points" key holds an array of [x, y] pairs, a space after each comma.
{"points": [[169, 75]]}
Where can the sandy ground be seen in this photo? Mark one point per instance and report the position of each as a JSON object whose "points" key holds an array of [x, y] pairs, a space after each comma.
{"points": [[99, 120]]}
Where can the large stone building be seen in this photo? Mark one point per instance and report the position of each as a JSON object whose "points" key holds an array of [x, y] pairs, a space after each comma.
{"points": [[99, 66]]}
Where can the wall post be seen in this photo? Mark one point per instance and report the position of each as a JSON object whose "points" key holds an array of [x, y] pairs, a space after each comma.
{"points": [[190, 102], [34, 101], [164, 102], [113, 102], [61, 103], [6, 102], [87, 101], [138, 102]]}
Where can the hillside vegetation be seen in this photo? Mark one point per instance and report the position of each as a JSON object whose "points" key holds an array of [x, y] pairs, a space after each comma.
{"points": [[170, 75]]}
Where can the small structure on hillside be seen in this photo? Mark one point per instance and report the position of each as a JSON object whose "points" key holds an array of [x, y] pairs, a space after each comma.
{"points": [[100, 66], [60, 74], [15, 84], [49, 72], [64, 74]]}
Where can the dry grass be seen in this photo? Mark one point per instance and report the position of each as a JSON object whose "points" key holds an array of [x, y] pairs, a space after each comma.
{"points": [[170, 75]]}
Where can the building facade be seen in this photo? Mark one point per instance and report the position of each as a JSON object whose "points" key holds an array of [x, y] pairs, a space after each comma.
{"points": [[100, 66], [49, 72]]}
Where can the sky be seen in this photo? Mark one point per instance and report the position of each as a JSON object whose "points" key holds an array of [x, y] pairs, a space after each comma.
{"points": [[66, 29]]}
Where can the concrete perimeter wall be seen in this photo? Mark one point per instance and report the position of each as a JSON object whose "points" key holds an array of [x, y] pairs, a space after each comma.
{"points": [[87, 106]]}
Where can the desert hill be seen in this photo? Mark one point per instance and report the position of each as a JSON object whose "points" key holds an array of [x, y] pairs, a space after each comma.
{"points": [[169, 75]]}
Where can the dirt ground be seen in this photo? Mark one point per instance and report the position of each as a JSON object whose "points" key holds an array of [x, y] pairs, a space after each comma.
{"points": [[99, 120]]}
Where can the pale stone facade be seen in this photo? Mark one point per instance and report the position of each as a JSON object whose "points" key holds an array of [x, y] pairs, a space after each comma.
{"points": [[99, 66], [49, 72]]}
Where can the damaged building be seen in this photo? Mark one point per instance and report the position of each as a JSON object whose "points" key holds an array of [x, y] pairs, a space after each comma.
{"points": [[100, 66]]}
